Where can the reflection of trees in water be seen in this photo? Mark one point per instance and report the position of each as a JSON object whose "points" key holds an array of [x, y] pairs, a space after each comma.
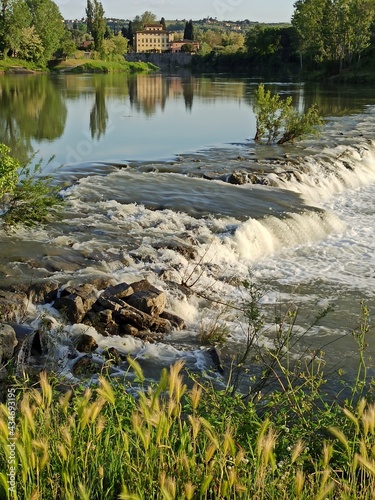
{"points": [[188, 92], [31, 107], [98, 115]]}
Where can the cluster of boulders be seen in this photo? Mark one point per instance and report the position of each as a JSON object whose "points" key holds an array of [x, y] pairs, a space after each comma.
{"points": [[136, 309]]}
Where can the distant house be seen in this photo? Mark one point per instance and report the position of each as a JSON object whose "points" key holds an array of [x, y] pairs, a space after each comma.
{"points": [[153, 38], [176, 46], [87, 45]]}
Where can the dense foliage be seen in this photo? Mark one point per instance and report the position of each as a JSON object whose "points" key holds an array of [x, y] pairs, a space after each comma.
{"points": [[169, 441], [334, 32], [326, 37], [95, 23], [32, 30], [26, 195], [279, 121]]}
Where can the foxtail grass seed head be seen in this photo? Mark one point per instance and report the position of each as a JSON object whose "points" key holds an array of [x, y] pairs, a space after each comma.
{"points": [[176, 387], [64, 401], [297, 450], [42, 446], [209, 453], [340, 436], [106, 391], [189, 489], [195, 425], [368, 421], [352, 417], [367, 464], [195, 396], [228, 444], [66, 435], [327, 453], [100, 425], [299, 481], [27, 414], [62, 452], [46, 388], [266, 446], [136, 367]]}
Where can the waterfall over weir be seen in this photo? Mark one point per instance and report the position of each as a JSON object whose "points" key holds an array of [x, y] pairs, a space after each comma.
{"points": [[302, 226]]}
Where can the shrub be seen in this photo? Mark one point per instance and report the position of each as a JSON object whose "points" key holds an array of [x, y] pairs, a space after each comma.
{"points": [[27, 196], [278, 121]]}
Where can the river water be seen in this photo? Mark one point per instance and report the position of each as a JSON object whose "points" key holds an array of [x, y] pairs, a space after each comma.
{"points": [[146, 161]]}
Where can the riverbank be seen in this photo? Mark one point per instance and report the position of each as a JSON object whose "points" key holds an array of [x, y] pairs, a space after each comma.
{"points": [[119, 440], [81, 65]]}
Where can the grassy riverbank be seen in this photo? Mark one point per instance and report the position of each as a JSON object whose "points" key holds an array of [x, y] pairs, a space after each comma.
{"points": [[75, 65], [170, 441]]}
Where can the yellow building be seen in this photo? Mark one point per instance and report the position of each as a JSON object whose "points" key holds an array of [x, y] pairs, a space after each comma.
{"points": [[153, 38]]}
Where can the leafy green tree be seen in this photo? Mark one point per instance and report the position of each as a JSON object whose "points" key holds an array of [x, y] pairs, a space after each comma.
{"points": [[114, 48], [279, 121], [333, 31], [187, 48], [146, 18], [31, 46], [68, 45], [15, 17], [307, 20], [96, 24], [48, 23]]}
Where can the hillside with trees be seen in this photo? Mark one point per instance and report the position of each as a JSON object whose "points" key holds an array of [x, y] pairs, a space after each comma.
{"points": [[325, 38]]}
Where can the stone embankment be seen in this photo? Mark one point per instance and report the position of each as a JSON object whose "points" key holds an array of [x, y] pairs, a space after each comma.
{"points": [[163, 61]]}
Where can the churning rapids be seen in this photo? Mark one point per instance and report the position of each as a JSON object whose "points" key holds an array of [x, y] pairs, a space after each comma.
{"points": [[301, 225]]}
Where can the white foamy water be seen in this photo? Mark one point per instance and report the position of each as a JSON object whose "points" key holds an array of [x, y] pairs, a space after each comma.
{"points": [[305, 235]]}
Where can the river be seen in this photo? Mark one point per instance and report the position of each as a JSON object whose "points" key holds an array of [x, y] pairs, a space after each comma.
{"points": [[146, 160]]}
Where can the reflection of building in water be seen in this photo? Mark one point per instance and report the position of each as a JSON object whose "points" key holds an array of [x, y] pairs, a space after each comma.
{"points": [[149, 91], [153, 38]]}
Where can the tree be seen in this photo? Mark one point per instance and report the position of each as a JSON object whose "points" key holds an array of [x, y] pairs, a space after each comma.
{"points": [[307, 20], [114, 48], [31, 46], [333, 31], [95, 23], [146, 18], [189, 31], [69, 44], [48, 23], [162, 22], [279, 121], [15, 16]]}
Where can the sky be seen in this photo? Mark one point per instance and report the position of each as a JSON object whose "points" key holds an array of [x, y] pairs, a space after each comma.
{"points": [[268, 11]]}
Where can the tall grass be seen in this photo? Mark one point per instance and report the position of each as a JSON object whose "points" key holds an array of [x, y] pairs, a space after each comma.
{"points": [[171, 442]]}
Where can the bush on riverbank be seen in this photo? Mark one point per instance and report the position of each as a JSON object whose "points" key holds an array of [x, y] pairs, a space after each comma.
{"points": [[26, 195]]}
